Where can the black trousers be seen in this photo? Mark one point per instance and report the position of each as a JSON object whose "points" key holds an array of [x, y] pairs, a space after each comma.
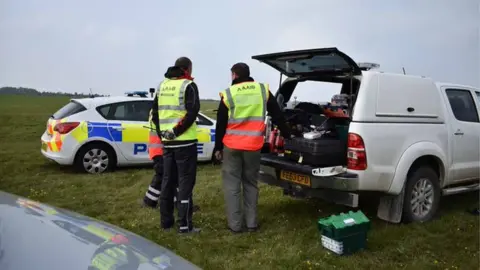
{"points": [[153, 192], [184, 160]]}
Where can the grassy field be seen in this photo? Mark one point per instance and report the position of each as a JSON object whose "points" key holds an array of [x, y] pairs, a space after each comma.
{"points": [[288, 238]]}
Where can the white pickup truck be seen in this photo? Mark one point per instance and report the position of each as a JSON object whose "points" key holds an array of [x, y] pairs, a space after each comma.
{"points": [[410, 139]]}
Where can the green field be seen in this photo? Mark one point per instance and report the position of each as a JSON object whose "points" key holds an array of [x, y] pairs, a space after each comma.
{"points": [[288, 238]]}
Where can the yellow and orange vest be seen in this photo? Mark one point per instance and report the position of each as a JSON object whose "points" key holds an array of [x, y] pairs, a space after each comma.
{"points": [[247, 108]]}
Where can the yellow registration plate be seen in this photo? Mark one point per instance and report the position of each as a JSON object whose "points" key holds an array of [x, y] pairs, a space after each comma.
{"points": [[44, 146], [295, 178]]}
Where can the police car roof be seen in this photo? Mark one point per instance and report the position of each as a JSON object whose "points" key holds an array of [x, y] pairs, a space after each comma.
{"points": [[98, 101], [91, 103]]}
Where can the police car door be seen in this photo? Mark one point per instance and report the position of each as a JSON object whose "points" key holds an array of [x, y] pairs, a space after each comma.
{"points": [[128, 124]]}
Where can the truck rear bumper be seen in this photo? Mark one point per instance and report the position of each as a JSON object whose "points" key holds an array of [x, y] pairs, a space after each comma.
{"points": [[338, 188]]}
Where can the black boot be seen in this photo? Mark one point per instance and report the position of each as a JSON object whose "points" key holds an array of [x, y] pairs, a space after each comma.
{"points": [[147, 203]]}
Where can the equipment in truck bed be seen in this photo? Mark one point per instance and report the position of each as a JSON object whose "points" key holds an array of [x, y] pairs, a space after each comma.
{"points": [[316, 152], [320, 144]]}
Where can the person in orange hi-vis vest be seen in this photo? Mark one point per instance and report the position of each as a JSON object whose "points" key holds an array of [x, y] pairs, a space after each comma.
{"points": [[240, 127], [155, 153]]}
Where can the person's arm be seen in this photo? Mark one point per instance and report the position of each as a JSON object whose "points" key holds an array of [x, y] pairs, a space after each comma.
{"points": [[155, 119], [277, 116], [221, 127], [192, 105]]}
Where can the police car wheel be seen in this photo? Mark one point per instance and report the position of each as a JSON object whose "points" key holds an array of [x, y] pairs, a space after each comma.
{"points": [[95, 158]]}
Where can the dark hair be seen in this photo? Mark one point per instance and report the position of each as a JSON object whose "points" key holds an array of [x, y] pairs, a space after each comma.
{"points": [[241, 69], [183, 62]]}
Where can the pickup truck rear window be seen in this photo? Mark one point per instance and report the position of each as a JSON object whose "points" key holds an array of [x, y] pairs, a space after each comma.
{"points": [[73, 107]]}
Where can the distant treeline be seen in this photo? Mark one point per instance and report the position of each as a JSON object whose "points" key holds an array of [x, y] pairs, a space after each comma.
{"points": [[33, 92]]}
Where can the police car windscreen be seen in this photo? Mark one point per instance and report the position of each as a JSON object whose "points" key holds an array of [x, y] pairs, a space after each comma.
{"points": [[71, 108]]}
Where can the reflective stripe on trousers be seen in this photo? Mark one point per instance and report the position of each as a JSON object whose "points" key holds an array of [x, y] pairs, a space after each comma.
{"points": [[154, 194], [188, 208]]}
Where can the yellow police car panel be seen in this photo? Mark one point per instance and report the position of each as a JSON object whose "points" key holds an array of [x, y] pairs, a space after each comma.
{"points": [[97, 134]]}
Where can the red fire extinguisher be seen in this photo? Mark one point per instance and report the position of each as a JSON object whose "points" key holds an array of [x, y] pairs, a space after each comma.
{"points": [[279, 142], [272, 139]]}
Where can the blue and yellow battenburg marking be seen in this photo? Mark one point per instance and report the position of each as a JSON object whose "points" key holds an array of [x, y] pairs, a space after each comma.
{"points": [[118, 132], [130, 133]]}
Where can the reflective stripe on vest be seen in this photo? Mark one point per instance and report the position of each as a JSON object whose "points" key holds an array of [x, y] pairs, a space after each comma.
{"points": [[247, 104], [171, 107]]}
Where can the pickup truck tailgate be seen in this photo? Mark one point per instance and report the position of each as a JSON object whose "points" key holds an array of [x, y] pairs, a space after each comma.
{"points": [[275, 169]]}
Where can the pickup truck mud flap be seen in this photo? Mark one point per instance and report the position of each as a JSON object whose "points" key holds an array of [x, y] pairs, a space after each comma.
{"points": [[332, 184]]}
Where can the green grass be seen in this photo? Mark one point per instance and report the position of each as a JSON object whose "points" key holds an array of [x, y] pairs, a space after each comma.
{"points": [[288, 238]]}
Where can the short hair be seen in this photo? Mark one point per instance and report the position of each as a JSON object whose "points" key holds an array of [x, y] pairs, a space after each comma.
{"points": [[241, 69], [183, 62]]}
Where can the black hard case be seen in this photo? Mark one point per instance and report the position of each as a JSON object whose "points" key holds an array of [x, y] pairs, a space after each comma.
{"points": [[322, 152]]}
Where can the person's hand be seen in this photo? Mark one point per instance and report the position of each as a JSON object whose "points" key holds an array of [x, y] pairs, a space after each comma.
{"points": [[218, 155], [168, 134]]}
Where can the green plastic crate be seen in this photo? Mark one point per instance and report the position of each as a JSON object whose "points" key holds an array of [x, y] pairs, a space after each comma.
{"points": [[344, 234]]}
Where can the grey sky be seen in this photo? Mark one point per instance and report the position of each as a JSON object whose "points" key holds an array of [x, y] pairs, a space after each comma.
{"points": [[117, 46]]}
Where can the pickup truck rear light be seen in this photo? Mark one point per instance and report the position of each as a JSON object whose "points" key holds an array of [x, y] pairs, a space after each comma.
{"points": [[356, 155], [64, 128]]}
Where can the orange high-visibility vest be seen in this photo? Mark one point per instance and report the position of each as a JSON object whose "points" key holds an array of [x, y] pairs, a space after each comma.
{"points": [[155, 146], [247, 107]]}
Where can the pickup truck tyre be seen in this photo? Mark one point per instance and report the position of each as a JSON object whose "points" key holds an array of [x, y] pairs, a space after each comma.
{"points": [[422, 195]]}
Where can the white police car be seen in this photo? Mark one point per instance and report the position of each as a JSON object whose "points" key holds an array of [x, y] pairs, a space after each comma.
{"points": [[97, 134]]}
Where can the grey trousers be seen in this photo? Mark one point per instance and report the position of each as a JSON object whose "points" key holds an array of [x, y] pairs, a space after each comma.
{"points": [[240, 170]]}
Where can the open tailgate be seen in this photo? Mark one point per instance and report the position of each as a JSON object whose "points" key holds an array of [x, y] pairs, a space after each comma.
{"points": [[303, 63]]}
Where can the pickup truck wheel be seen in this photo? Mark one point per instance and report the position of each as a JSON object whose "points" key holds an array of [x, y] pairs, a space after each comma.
{"points": [[422, 195]]}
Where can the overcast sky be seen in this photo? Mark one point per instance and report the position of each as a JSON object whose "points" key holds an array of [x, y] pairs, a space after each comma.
{"points": [[117, 46]]}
